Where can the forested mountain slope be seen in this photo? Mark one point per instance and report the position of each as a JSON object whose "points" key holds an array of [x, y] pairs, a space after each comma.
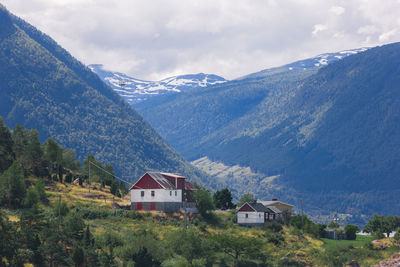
{"points": [[42, 86], [331, 138], [186, 120]]}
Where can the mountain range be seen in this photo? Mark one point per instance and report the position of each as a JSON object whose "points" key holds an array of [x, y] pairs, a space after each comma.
{"points": [[327, 135], [43, 87], [135, 90]]}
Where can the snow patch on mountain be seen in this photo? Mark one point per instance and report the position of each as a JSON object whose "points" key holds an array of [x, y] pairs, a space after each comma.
{"points": [[314, 62], [134, 90]]}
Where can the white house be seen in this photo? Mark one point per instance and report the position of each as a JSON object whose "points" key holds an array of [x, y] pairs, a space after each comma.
{"points": [[252, 214], [162, 191]]}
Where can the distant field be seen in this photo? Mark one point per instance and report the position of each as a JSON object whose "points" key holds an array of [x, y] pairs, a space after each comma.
{"points": [[360, 241]]}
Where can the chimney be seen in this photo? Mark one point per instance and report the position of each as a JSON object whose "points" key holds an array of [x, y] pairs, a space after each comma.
{"points": [[274, 199]]}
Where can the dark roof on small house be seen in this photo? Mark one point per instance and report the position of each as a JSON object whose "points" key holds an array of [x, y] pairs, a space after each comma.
{"points": [[272, 202], [273, 209]]}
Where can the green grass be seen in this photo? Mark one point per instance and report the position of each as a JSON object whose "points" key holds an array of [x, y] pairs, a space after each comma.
{"points": [[360, 241]]}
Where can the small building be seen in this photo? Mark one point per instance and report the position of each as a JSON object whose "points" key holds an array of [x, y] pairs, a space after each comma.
{"points": [[273, 214], [281, 206], [162, 192], [252, 214]]}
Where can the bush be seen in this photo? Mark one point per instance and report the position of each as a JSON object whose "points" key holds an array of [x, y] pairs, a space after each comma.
{"points": [[351, 231], [396, 236], [31, 199], [68, 178], [275, 238], [273, 226]]}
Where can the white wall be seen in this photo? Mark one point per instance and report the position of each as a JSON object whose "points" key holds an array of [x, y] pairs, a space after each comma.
{"points": [[253, 217], [160, 195]]}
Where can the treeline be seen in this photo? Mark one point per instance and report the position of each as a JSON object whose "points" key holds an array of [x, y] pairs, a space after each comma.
{"points": [[22, 155]]}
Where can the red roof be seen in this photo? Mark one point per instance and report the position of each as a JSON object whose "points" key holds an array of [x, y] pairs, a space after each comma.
{"points": [[189, 186], [158, 180]]}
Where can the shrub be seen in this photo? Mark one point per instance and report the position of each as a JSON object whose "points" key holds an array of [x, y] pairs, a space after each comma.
{"points": [[68, 178], [273, 226], [351, 231]]}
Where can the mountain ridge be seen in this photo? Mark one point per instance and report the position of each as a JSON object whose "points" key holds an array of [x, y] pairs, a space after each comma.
{"points": [[135, 90]]}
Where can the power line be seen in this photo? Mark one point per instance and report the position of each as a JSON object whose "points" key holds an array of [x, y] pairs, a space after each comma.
{"points": [[116, 177]]}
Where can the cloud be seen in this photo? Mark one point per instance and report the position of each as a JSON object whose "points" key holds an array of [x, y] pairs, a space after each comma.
{"points": [[337, 10], [319, 28], [386, 36], [158, 38]]}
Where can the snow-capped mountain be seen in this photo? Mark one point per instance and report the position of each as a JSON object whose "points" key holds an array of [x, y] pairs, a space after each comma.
{"points": [[135, 90], [318, 61]]}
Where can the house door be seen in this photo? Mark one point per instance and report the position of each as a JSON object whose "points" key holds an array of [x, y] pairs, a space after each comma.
{"points": [[152, 206], [139, 206]]}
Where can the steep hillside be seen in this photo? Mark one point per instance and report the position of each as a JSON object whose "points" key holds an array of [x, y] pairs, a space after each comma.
{"points": [[135, 90], [44, 87], [186, 120]]}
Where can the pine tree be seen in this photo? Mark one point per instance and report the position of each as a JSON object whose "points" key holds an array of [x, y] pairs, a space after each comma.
{"points": [[12, 186], [6, 147]]}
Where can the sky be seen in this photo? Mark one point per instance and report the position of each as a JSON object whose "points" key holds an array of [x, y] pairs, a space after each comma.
{"points": [[155, 39]]}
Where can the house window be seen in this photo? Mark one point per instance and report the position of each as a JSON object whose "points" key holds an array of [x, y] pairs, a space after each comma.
{"points": [[142, 193], [170, 193], [152, 193], [247, 215], [259, 215], [176, 193]]}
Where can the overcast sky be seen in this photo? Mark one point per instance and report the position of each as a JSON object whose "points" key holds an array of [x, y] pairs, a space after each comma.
{"points": [[155, 39]]}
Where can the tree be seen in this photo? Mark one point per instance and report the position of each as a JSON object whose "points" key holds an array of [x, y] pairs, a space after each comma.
{"points": [[396, 236], [32, 198], [68, 178], [12, 186], [78, 256], [204, 201], [379, 224], [54, 154], [190, 244], [245, 198], [351, 231], [39, 186], [223, 199], [239, 246], [6, 147], [333, 225], [34, 153], [114, 188], [69, 156], [19, 142]]}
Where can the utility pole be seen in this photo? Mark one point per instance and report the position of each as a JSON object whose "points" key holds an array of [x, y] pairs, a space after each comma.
{"points": [[89, 175], [59, 211]]}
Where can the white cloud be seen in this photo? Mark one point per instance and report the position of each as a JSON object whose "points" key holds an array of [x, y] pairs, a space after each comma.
{"points": [[386, 36], [319, 28], [337, 10], [152, 39]]}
